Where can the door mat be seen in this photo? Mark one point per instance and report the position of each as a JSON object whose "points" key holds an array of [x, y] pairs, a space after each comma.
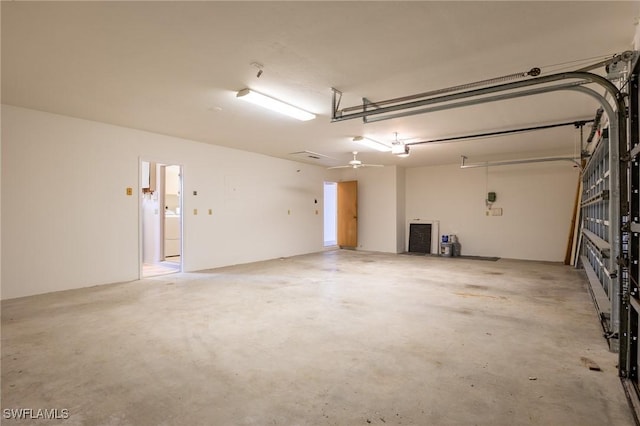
{"points": [[487, 258]]}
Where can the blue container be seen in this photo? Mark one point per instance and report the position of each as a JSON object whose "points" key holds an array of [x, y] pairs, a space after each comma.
{"points": [[445, 238]]}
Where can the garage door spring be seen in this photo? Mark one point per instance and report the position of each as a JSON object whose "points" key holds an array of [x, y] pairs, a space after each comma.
{"points": [[533, 72]]}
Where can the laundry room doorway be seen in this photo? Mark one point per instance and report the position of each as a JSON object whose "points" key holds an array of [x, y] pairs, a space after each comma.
{"points": [[161, 218]]}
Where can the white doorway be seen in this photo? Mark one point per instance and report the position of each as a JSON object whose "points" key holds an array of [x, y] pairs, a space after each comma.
{"points": [[160, 219], [330, 214]]}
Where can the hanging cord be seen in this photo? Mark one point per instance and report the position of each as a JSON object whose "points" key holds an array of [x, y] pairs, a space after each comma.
{"points": [[575, 64], [581, 141], [577, 143], [486, 188], [588, 64], [594, 126]]}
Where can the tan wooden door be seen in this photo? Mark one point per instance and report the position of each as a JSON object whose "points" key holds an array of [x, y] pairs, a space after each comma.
{"points": [[348, 214]]}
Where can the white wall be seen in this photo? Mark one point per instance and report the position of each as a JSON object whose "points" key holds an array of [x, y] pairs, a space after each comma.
{"points": [[68, 223], [401, 201], [537, 202]]}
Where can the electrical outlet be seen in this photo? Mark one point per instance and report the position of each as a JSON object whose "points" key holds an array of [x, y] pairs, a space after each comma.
{"points": [[195, 211], [210, 212], [129, 191]]}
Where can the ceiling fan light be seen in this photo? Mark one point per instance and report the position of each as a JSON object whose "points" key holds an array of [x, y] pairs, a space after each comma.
{"points": [[274, 104], [370, 143], [400, 149]]}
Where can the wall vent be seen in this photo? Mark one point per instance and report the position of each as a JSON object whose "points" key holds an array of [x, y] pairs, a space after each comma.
{"points": [[313, 157]]}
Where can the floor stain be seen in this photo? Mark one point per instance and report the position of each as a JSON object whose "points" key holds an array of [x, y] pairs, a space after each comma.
{"points": [[590, 364], [477, 287], [480, 295]]}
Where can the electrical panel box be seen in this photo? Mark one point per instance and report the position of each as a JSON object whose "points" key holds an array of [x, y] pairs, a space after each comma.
{"points": [[491, 197]]}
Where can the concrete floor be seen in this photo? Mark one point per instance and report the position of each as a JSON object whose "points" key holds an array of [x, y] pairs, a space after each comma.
{"points": [[333, 338]]}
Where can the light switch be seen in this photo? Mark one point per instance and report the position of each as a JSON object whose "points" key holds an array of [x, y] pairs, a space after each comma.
{"points": [[129, 191], [195, 211], [210, 212]]}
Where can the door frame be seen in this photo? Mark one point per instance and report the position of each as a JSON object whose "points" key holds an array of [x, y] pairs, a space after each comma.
{"points": [[163, 162], [334, 213]]}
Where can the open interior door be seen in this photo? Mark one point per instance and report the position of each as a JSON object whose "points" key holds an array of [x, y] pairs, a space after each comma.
{"points": [[348, 214]]}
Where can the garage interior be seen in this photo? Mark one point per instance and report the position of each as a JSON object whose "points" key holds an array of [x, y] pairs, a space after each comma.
{"points": [[171, 255]]}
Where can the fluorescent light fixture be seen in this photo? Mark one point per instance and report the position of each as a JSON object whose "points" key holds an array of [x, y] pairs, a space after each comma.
{"points": [[370, 143], [400, 149], [274, 104]]}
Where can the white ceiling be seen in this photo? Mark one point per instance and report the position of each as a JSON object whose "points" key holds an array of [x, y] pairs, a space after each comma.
{"points": [[174, 68]]}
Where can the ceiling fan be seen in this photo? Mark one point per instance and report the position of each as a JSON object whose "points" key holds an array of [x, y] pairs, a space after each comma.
{"points": [[355, 164]]}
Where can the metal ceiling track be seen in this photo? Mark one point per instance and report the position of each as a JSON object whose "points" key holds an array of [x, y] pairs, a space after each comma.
{"points": [[496, 80], [577, 124], [424, 103], [464, 165], [408, 104]]}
